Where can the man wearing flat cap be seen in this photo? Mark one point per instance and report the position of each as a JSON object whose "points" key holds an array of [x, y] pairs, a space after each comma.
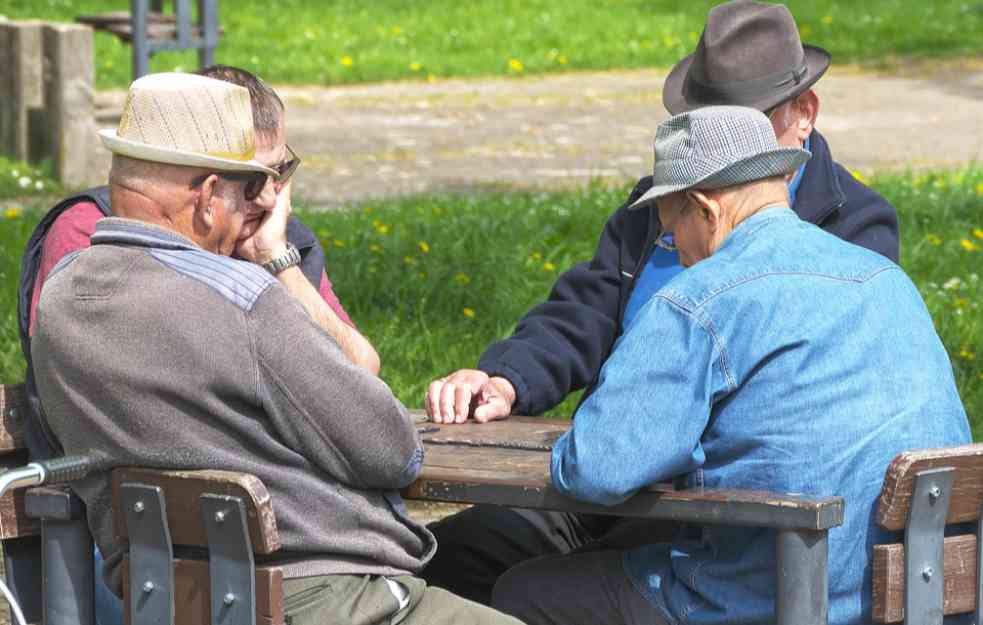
{"points": [[156, 348], [749, 54], [783, 359]]}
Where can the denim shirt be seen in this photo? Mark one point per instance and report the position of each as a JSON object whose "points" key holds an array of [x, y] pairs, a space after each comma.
{"points": [[789, 361]]}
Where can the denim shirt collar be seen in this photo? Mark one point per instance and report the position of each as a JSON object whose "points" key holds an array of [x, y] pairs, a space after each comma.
{"points": [[121, 231]]}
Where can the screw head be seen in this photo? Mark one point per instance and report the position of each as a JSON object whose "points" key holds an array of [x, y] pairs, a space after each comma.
{"points": [[934, 493], [220, 516], [148, 586], [138, 507], [12, 413], [927, 573], [229, 598]]}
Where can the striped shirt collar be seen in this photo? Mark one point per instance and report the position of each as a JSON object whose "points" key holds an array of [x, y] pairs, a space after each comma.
{"points": [[120, 231]]}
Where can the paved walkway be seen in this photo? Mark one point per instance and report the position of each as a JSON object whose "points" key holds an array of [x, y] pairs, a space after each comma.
{"points": [[388, 139]]}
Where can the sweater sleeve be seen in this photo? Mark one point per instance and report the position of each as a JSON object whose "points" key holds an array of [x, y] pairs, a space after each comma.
{"points": [[559, 346], [337, 415], [866, 219]]}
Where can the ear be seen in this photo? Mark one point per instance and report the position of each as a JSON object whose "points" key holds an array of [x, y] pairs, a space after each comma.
{"points": [[205, 205], [807, 105], [708, 203]]}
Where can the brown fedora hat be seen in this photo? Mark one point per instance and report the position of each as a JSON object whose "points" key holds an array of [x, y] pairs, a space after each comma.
{"points": [[749, 54]]}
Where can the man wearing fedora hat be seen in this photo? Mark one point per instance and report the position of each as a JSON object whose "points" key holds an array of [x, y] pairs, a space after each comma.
{"points": [[783, 359], [155, 347], [749, 54]]}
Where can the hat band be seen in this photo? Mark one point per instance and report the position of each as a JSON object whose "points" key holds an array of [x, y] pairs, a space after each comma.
{"points": [[744, 90]]}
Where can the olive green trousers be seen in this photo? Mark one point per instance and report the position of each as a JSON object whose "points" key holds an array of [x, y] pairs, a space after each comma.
{"points": [[368, 600]]}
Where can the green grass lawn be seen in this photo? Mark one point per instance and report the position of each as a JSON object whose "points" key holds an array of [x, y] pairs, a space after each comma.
{"points": [[348, 41], [432, 280]]}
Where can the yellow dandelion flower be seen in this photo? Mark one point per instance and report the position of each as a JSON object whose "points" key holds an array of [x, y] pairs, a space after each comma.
{"points": [[827, 19], [536, 256], [468, 312], [376, 248], [548, 266], [431, 78], [338, 243], [462, 278], [965, 354], [969, 246], [562, 59], [979, 189], [347, 61], [397, 31], [669, 41], [12, 212], [424, 247], [933, 239], [978, 233], [516, 65], [416, 66], [382, 228], [859, 176], [409, 260]]}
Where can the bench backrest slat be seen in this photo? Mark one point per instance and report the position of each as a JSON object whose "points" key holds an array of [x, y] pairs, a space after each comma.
{"points": [[967, 490], [182, 490]]}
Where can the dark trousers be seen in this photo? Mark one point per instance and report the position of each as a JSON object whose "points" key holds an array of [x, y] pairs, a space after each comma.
{"points": [[477, 546]]}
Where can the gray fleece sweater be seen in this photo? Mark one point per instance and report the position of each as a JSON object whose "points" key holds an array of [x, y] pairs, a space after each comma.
{"points": [[161, 354]]}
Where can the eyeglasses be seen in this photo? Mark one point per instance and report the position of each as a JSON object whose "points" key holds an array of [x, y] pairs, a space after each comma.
{"points": [[255, 181], [286, 169]]}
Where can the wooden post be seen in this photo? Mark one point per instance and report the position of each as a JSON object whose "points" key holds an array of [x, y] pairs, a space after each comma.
{"points": [[69, 95], [20, 84]]}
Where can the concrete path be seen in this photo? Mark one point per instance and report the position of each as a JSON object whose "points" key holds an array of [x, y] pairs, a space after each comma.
{"points": [[389, 139]]}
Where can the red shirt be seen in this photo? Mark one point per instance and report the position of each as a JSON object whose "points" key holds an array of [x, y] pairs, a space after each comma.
{"points": [[71, 232]]}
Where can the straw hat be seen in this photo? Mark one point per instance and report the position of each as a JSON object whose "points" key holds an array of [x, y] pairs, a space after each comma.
{"points": [[715, 147], [186, 119]]}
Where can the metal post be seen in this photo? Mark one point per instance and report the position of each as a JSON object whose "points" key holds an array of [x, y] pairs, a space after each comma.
{"points": [[151, 555], [231, 566], [182, 15], [208, 18], [924, 541], [803, 579], [68, 573], [141, 46]]}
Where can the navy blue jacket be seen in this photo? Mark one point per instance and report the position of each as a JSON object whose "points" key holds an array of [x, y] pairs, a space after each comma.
{"points": [[560, 345]]}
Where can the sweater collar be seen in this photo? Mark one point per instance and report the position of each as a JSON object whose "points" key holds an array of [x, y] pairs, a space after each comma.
{"points": [[120, 231]]}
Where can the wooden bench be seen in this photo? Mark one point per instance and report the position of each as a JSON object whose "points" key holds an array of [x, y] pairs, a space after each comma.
{"points": [[149, 30]]}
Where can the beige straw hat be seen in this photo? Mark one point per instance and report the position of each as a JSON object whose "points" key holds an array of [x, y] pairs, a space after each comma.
{"points": [[186, 119]]}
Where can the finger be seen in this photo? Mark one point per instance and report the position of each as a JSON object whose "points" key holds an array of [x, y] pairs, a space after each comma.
{"points": [[446, 405], [494, 409], [433, 400], [462, 403]]}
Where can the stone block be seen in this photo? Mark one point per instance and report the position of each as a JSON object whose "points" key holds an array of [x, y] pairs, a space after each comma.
{"points": [[21, 82], [69, 101]]}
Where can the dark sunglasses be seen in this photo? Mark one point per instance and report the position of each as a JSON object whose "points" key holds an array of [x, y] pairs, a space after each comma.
{"points": [[255, 181], [286, 169]]}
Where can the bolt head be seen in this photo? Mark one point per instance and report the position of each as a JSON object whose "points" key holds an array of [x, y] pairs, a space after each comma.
{"points": [[220, 516], [148, 586], [935, 492], [12, 413], [229, 598], [927, 573], [138, 507]]}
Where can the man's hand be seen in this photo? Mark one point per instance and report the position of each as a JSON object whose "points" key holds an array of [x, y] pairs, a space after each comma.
{"points": [[264, 236], [469, 392]]}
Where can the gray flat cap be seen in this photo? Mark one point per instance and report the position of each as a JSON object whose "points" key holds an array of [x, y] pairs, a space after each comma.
{"points": [[715, 147]]}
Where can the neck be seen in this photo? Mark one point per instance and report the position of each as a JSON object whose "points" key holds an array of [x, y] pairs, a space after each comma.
{"points": [[134, 203], [757, 198]]}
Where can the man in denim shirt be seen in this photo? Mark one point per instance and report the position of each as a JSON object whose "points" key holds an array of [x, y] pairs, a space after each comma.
{"points": [[784, 359]]}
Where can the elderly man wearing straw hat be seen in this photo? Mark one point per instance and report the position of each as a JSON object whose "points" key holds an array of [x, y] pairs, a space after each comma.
{"points": [[749, 54], [156, 348], [783, 359]]}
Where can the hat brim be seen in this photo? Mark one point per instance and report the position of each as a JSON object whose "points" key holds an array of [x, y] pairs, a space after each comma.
{"points": [[675, 101], [158, 154], [777, 162]]}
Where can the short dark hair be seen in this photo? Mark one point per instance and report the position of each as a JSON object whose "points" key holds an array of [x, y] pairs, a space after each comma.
{"points": [[267, 106]]}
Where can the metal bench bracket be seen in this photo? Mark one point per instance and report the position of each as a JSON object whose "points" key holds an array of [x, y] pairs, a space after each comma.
{"points": [[151, 555], [231, 565], [924, 581]]}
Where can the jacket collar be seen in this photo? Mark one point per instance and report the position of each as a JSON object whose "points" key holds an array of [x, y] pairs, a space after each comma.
{"points": [[819, 192], [120, 231]]}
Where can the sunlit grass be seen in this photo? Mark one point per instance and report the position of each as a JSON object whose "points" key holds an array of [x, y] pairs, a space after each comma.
{"points": [[348, 41], [432, 280]]}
